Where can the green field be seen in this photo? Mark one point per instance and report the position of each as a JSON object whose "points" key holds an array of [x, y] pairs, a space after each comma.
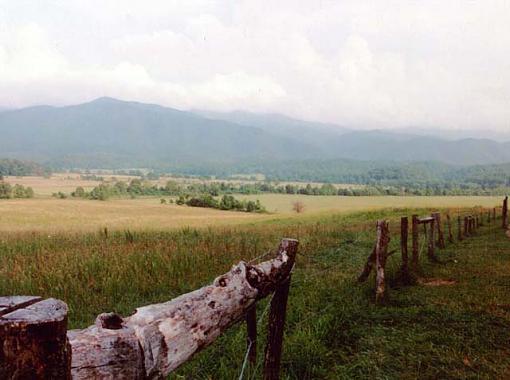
{"points": [[334, 330], [78, 215]]}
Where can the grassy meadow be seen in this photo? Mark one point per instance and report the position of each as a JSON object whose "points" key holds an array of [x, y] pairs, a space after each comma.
{"points": [[334, 331], [51, 215]]}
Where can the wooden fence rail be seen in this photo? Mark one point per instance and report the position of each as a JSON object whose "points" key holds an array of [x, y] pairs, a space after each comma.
{"points": [[431, 225], [156, 339]]}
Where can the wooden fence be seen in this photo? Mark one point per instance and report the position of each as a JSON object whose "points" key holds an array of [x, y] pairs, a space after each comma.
{"points": [[434, 234], [156, 339]]}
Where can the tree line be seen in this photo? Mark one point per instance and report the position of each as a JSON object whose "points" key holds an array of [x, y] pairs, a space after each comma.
{"points": [[17, 191]]}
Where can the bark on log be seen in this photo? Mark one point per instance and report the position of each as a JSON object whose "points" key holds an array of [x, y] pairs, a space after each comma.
{"points": [[33, 341], [158, 338]]}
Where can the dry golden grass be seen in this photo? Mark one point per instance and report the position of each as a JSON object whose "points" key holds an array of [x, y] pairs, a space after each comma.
{"points": [[282, 203], [19, 215], [44, 187], [78, 215]]}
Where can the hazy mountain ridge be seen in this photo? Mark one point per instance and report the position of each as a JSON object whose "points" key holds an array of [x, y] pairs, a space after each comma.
{"points": [[113, 133]]}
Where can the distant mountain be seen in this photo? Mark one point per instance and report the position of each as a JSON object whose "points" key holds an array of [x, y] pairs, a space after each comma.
{"points": [[391, 146], [110, 133], [313, 132], [459, 134]]}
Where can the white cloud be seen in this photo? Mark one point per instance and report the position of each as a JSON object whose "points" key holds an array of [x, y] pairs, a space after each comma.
{"points": [[357, 63]]}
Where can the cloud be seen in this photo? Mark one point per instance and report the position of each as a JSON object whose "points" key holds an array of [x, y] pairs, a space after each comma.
{"points": [[356, 63]]}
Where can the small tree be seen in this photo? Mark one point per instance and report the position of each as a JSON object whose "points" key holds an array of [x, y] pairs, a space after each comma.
{"points": [[5, 190], [298, 207]]}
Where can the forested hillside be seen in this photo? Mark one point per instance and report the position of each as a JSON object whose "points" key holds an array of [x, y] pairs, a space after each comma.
{"points": [[109, 133], [20, 168]]}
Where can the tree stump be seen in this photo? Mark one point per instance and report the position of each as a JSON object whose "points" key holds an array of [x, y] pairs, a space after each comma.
{"points": [[33, 339]]}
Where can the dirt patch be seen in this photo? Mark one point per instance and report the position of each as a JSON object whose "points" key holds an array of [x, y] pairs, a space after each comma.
{"points": [[436, 282]]}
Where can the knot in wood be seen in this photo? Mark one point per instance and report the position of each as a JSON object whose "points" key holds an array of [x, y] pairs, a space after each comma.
{"points": [[111, 321]]}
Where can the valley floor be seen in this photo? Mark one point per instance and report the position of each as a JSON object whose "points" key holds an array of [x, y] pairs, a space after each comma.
{"points": [[334, 330], [77, 215]]}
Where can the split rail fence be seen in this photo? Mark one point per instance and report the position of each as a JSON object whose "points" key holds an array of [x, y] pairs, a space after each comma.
{"points": [[157, 339], [435, 237]]}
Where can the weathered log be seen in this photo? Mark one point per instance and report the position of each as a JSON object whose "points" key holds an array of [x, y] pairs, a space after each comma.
{"points": [[33, 341], [439, 227], [158, 338], [106, 350], [426, 219]]}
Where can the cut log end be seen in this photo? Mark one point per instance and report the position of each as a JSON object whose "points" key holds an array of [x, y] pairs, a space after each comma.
{"points": [[33, 340]]}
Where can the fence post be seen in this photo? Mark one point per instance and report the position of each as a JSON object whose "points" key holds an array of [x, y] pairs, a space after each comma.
{"points": [[504, 213], [415, 236], [494, 214], [276, 323], [251, 332], [459, 228], [440, 236], [449, 225], [33, 339], [489, 217], [404, 229], [431, 249]]}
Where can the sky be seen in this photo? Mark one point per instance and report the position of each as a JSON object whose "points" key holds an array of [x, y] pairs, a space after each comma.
{"points": [[361, 64]]}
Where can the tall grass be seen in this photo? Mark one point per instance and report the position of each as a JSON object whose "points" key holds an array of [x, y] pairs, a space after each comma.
{"points": [[333, 328]]}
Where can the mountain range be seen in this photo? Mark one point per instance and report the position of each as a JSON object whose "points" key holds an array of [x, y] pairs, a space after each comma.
{"points": [[112, 133]]}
